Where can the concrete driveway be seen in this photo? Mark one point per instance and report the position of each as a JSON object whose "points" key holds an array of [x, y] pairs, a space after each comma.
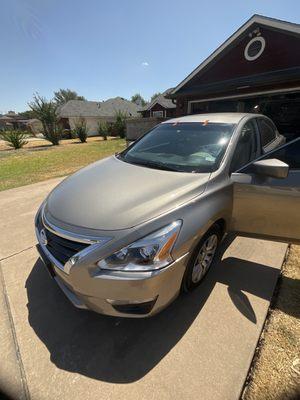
{"points": [[201, 347]]}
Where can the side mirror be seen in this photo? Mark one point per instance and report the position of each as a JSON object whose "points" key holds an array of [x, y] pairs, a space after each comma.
{"points": [[273, 168]]}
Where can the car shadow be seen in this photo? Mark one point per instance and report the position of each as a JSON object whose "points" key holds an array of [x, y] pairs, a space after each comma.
{"points": [[122, 350]]}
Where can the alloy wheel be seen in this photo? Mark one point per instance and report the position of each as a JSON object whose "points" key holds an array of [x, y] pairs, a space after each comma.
{"points": [[204, 258]]}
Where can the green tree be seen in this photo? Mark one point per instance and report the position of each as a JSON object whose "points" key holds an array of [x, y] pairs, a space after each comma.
{"points": [[154, 96], [45, 111], [103, 129], [29, 114], [120, 124], [62, 96], [138, 99]]}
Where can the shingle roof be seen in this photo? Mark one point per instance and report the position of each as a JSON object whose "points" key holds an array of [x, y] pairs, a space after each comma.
{"points": [[162, 100], [108, 108]]}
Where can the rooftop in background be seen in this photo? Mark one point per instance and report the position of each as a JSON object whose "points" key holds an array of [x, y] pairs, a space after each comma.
{"points": [[162, 100], [108, 108]]}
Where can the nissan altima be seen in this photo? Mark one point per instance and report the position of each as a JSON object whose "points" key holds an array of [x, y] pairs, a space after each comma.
{"points": [[125, 235]]}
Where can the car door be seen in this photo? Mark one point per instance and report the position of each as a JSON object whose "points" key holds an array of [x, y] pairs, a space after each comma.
{"points": [[265, 206]]}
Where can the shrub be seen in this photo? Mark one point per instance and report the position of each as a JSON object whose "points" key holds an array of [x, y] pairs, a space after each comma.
{"points": [[45, 111], [68, 134], [103, 129], [111, 131], [81, 130], [15, 139], [120, 124]]}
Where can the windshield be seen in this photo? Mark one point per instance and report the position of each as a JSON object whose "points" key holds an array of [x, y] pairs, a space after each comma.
{"points": [[184, 147]]}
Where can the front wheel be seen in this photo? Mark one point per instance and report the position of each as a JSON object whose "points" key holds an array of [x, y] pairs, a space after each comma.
{"points": [[202, 258]]}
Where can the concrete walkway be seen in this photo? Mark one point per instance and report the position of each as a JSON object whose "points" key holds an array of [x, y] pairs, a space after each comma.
{"points": [[201, 347]]}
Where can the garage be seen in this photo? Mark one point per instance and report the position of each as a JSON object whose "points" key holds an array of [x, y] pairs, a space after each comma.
{"points": [[257, 69]]}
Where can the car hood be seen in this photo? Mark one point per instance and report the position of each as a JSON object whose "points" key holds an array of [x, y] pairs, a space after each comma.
{"points": [[111, 195]]}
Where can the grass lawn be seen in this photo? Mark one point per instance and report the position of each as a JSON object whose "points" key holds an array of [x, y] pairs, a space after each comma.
{"points": [[40, 161], [275, 373]]}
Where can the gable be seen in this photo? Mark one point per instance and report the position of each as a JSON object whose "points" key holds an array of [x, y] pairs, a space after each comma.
{"points": [[279, 53], [279, 44]]}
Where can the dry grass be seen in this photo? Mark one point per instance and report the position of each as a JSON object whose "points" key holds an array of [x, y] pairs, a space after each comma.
{"points": [[276, 371], [33, 143], [38, 163]]}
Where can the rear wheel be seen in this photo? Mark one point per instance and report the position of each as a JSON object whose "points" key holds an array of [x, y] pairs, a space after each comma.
{"points": [[202, 258]]}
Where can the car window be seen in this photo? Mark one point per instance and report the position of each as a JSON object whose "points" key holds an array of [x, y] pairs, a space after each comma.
{"points": [[267, 131], [185, 147], [246, 148]]}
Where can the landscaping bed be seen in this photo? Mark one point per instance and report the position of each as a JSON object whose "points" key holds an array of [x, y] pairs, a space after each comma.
{"points": [[275, 373]]}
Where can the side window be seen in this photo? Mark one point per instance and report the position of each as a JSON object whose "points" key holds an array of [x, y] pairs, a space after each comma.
{"points": [[267, 131], [246, 148]]}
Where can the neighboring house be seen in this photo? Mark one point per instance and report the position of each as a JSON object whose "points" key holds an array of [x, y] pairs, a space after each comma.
{"points": [[11, 120], [257, 69], [160, 107], [94, 112]]}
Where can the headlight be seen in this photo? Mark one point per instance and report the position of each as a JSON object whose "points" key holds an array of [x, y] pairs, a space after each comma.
{"points": [[150, 253]]}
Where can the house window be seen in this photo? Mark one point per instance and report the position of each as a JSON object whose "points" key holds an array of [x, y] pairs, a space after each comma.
{"points": [[254, 48], [158, 114]]}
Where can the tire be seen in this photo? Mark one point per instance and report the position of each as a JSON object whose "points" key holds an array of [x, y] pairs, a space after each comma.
{"points": [[198, 266]]}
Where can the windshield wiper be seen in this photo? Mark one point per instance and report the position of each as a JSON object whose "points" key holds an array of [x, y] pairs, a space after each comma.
{"points": [[155, 165]]}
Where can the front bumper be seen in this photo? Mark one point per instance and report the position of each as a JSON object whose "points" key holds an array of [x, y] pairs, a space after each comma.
{"points": [[121, 294]]}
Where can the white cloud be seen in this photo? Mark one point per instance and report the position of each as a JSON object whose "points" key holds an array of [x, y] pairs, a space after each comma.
{"points": [[145, 64]]}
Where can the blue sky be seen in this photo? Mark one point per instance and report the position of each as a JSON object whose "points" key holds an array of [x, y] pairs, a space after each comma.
{"points": [[112, 48]]}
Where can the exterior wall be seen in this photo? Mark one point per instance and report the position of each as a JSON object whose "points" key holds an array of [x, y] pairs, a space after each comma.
{"points": [[91, 123], [138, 126]]}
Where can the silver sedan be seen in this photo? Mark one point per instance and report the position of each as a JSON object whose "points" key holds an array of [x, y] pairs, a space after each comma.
{"points": [[125, 235]]}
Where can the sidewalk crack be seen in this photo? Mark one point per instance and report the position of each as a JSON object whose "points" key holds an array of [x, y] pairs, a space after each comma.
{"points": [[15, 254]]}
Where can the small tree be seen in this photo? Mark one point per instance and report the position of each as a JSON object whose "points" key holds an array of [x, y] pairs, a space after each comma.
{"points": [[62, 96], [45, 111], [81, 130], [120, 124], [154, 96], [138, 100], [15, 138], [103, 129], [29, 114]]}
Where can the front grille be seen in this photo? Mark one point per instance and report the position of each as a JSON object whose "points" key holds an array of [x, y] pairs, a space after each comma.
{"points": [[62, 249]]}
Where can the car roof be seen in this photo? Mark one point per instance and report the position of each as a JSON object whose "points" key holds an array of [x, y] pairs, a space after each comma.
{"points": [[230, 118]]}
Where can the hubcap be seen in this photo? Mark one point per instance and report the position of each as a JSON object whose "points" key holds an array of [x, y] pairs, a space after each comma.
{"points": [[204, 258]]}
